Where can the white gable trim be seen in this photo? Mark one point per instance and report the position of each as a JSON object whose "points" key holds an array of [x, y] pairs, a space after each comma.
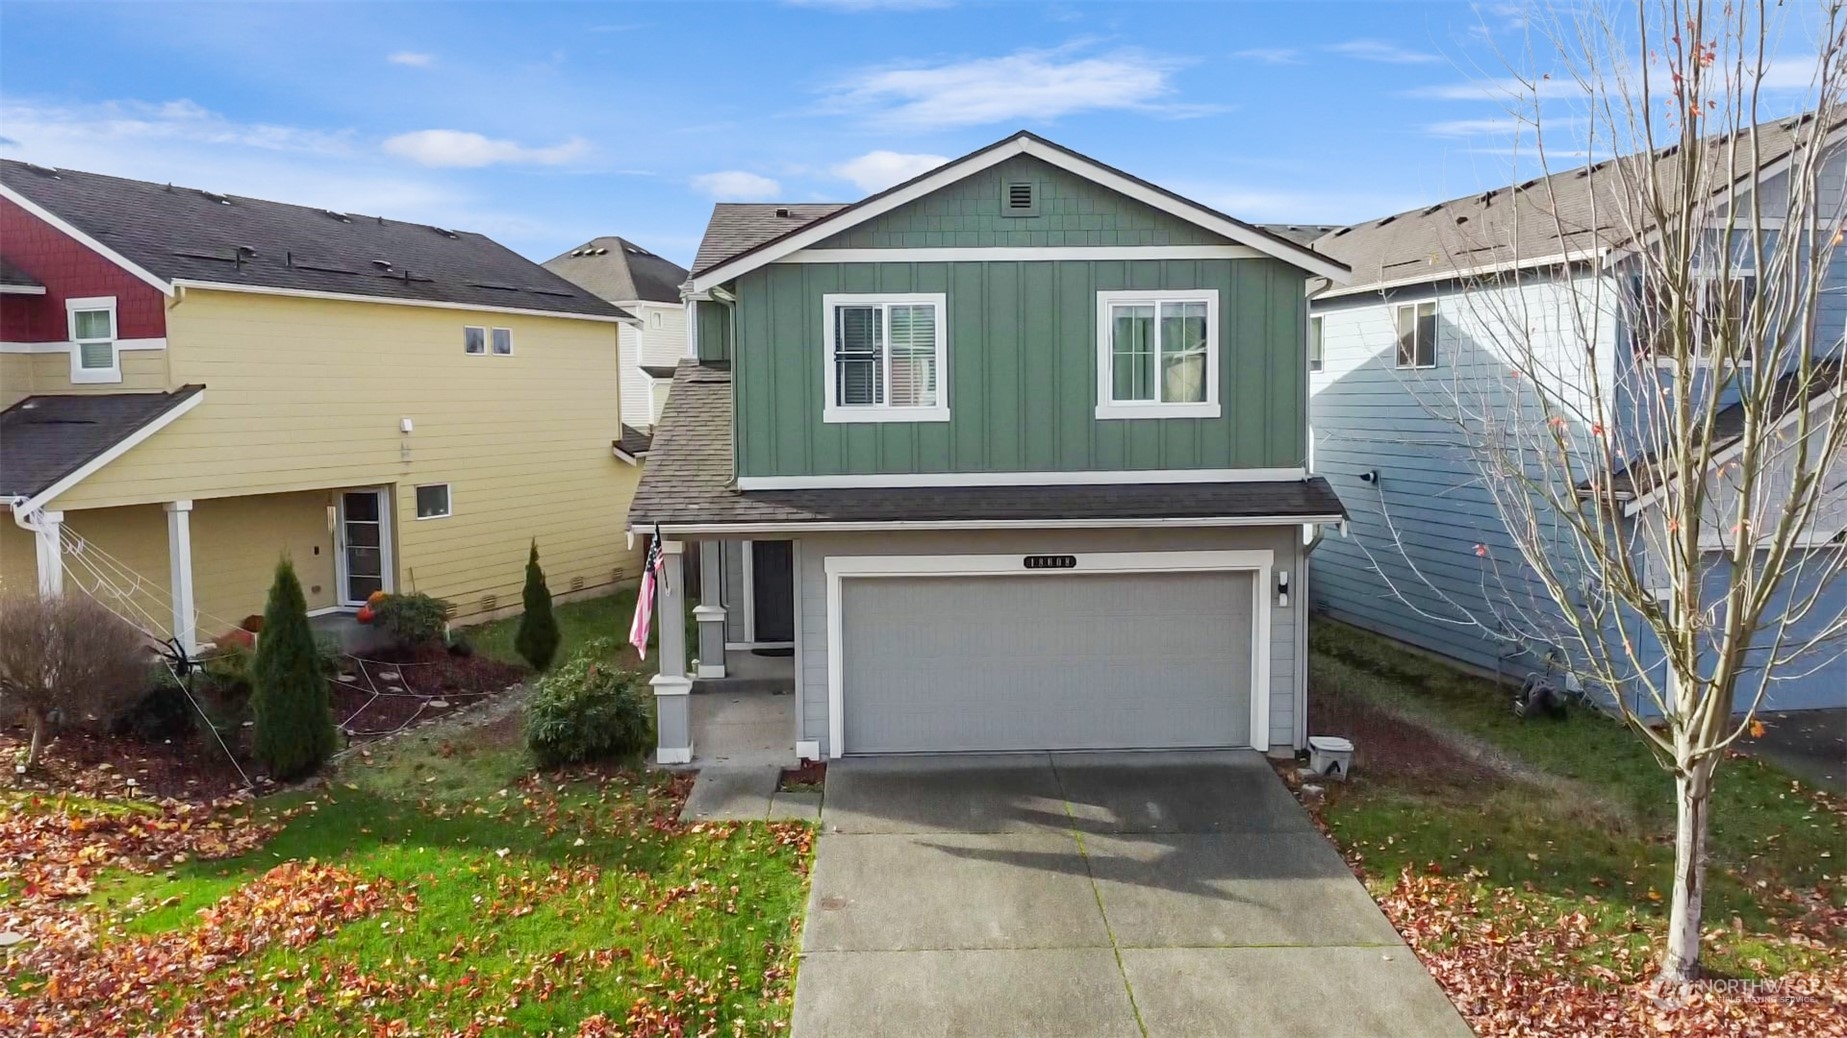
{"points": [[123, 446], [85, 240], [826, 227]]}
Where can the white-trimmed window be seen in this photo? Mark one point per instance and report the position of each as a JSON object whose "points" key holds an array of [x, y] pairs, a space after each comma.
{"points": [[503, 342], [887, 357], [1719, 321], [1315, 359], [474, 340], [95, 356], [1417, 335], [1158, 354], [433, 501]]}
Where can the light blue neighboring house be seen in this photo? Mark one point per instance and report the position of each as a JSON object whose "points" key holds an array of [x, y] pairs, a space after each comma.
{"points": [[1408, 350]]}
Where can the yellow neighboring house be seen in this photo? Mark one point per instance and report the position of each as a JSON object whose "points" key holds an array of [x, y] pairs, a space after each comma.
{"points": [[196, 385]]}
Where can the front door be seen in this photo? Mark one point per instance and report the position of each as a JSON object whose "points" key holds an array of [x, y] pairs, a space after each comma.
{"points": [[364, 548], [772, 592]]}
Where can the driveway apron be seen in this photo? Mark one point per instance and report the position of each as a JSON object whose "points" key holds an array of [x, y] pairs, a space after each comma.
{"points": [[1054, 895]]}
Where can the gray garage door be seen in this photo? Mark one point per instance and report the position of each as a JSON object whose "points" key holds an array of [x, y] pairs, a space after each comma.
{"points": [[1046, 662]]}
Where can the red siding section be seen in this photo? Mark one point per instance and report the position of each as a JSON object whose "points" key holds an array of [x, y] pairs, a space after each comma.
{"points": [[68, 268]]}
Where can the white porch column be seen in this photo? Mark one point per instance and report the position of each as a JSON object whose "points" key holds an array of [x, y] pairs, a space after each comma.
{"points": [[47, 537], [179, 573], [672, 688], [710, 612]]}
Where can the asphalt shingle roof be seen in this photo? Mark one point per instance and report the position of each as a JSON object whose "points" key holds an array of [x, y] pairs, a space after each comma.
{"points": [[45, 438], [633, 442], [689, 480], [181, 232], [618, 270], [741, 226], [1300, 233], [1578, 210]]}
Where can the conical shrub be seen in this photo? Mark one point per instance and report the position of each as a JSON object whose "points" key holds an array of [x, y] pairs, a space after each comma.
{"points": [[537, 640], [288, 695]]}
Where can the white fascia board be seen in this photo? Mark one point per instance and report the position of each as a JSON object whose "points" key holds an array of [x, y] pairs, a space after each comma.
{"points": [[1136, 477], [127, 444], [347, 297], [66, 228], [829, 226], [1582, 256], [22, 290], [1026, 254], [796, 529], [1637, 504]]}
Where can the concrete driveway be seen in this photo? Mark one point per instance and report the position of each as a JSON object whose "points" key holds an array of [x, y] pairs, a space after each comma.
{"points": [[1092, 895]]}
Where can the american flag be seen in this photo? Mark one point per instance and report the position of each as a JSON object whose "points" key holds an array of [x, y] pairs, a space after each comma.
{"points": [[644, 601]]}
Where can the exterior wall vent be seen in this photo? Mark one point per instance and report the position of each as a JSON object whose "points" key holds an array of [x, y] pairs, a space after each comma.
{"points": [[1019, 198], [489, 603], [577, 583]]}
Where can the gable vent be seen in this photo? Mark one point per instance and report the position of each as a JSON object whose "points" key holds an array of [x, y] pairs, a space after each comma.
{"points": [[1019, 198]]}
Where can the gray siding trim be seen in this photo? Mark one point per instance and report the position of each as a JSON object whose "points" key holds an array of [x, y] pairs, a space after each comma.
{"points": [[1288, 676]]}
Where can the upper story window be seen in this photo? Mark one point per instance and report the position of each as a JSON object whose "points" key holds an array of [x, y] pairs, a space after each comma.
{"points": [[1157, 354], [474, 340], [94, 353], [503, 342], [887, 358], [1417, 335], [1717, 320], [1314, 344], [433, 501]]}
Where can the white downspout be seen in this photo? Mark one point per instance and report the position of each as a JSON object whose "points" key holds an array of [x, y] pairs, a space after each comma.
{"points": [[47, 532]]}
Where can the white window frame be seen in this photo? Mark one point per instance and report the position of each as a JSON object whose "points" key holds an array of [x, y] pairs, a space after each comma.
{"points": [[1317, 344], [1436, 315], [485, 346], [1108, 408], [493, 345], [1707, 278], [832, 412], [81, 375], [448, 501]]}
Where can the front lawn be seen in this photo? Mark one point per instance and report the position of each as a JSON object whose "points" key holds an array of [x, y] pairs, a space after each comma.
{"points": [[434, 886], [579, 622], [1529, 862]]}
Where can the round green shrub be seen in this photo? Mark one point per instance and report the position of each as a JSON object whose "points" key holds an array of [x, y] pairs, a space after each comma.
{"points": [[413, 620], [589, 709]]}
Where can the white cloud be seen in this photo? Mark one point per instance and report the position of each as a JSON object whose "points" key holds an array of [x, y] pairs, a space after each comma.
{"points": [[1271, 55], [1025, 85], [1504, 126], [878, 170], [1297, 205], [735, 185], [1382, 51], [473, 150], [415, 59], [1503, 90]]}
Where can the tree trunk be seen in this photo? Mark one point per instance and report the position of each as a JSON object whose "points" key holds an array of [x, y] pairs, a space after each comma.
{"points": [[1693, 799], [35, 720]]}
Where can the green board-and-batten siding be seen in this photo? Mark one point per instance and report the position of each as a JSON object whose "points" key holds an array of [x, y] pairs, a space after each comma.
{"points": [[1071, 211], [1022, 371], [712, 328]]}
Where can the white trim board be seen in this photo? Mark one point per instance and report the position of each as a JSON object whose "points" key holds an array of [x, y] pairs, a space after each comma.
{"points": [[1022, 144], [122, 447], [347, 297], [856, 567], [22, 290], [1022, 254], [1105, 477], [69, 230], [797, 529], [66, 346]]}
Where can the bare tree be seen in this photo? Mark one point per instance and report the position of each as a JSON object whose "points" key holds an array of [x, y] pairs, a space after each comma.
{"points": [[67, 656], [1649, 378]]}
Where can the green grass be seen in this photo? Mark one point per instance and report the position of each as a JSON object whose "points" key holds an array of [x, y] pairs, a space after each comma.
{"points": [[1594, 834], [579, 883], [579, 622]]}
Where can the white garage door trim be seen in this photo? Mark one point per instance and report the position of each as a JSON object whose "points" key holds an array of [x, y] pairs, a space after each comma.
{"points": [[839, 568]]}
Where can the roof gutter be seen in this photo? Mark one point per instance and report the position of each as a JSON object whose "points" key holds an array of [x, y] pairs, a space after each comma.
{"points": [[693, 529]]}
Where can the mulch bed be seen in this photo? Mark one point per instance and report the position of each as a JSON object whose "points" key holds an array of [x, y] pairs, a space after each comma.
{"points": [[806, 776], [1393, 746], [389, 691], [192, 769]]}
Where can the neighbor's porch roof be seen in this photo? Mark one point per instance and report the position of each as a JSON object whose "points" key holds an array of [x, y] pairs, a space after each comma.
{"points": [[688, 487], [48, 443]]}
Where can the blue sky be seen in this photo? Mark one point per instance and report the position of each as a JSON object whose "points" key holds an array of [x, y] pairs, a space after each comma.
{"points": [[546, 124]]}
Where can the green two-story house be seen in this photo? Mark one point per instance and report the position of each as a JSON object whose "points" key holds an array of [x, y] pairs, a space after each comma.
{"points": [[1012, 456]]}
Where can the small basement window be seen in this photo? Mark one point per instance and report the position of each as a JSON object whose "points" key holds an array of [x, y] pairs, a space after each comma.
{"points": [[474, 340], [1019, 198], [433, 501], [1417, 335], [503, 342], [94, 354]]}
